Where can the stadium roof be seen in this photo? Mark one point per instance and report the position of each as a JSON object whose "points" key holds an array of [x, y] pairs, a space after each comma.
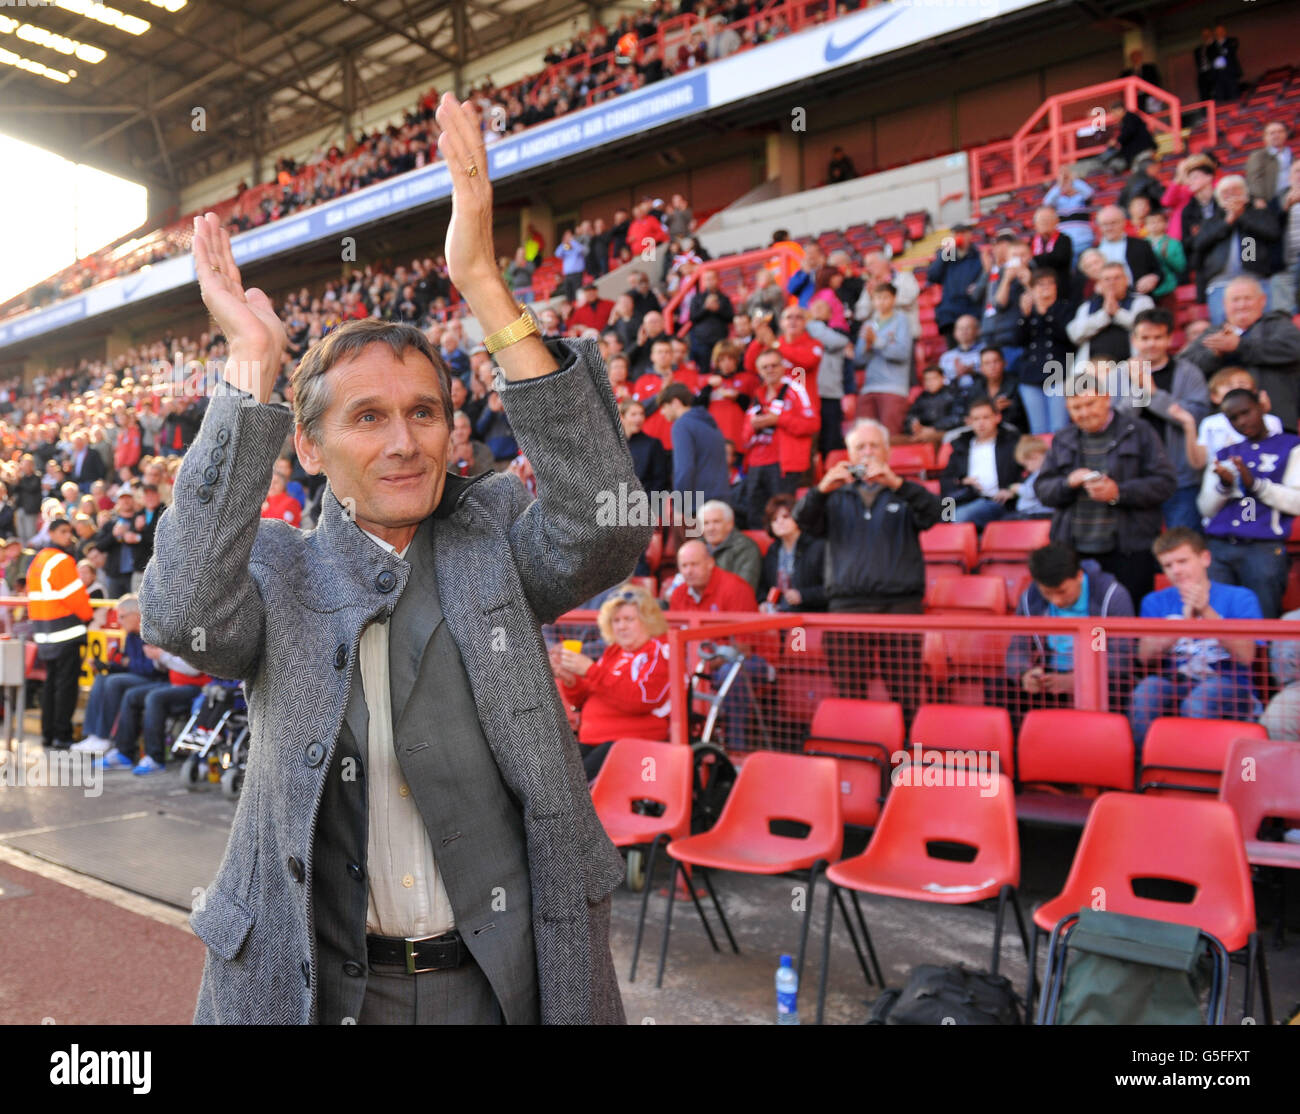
{"points": [[116, 86]]}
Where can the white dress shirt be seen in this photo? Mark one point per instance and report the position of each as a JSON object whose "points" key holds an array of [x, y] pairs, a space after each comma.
{"points": [[407, 897], [983, 466]]}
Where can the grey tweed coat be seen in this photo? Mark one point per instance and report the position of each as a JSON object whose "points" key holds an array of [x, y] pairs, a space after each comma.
{"points": [[256, 599]]}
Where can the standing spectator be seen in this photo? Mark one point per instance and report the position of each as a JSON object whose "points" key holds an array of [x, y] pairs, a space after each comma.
{"points": [[126, 453], [840, 168], [1103, 324], [645, 230], [1051, 247], [1268, 169], [27, 498], [146, 526], [958, 269], [1265, 344], [519, 272], [1203, 58], [1248, 541], [767, 297], [119, 543], [679, 219], [884, 350], [651, 331], [465, 456], [710, 314], [1226, 65], [1171, 395], [60, 612], [1197, 678], [871, 520], [1106, 478], [829, 281], [832, 381], [1200, 207], [793, 568], [648, 456], [727, 389], [780, 426], [1133, 140], [876, 270], [982, 469], [963, 358], [1040, 668], [87, 464], [1285, 285], [699, 452], [626, 693], [1236, 239], [572, 254], [1069, 196], [1178, 193]]}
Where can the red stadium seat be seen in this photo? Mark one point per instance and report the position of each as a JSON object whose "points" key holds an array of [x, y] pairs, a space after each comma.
{"points": [[958, 663], [1185, 757], [771, 787], [1014, 540], [941, 458], [1066, 747], [954, 542], [961, 594], [862, 736], [966, 727], [760, 538], [912, 460], [936, 572], [1013, 574], [932, 486], [1130, 839], [1272, 793]]}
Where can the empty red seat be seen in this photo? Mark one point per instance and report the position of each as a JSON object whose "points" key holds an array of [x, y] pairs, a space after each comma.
{"points": [[1014, 574], [1270, 792], [912, 460], [966, 727], [1061, 747], [760, 538], [1014, 540], [1185, 757], [962, 594], [953, 542], [862, 736]]}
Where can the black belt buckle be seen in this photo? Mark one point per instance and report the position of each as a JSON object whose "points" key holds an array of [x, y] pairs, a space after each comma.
{"points": [[452, 942]]}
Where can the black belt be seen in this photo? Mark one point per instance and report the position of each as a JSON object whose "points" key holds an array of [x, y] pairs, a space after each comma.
{"points": [[419, 954]]}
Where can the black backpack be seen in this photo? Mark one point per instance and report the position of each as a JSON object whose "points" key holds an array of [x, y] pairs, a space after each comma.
{"points": [[949, 996]]}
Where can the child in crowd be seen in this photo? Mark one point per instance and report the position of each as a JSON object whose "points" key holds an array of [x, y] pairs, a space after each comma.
{"points": [[1030, 454], [1173, 261], [1216, 431], [937, 409]]}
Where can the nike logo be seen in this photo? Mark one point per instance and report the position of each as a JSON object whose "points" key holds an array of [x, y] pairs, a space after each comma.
{"points": [[834, 52]]}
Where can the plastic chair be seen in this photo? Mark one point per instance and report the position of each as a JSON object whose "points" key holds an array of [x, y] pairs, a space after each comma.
{"points": [[1065, 746], [862, 736], [1195, 842], [1013, 574], [912, 460], [1015, 540], [950, 542], [1273, 790], [964, 728], [770, 787], [619, 791], [963, 594], [760, 538], [1186, 756], [899, 861]]}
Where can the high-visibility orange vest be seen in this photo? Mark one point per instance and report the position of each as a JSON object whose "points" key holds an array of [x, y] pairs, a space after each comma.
{"points": [[59, 605]]}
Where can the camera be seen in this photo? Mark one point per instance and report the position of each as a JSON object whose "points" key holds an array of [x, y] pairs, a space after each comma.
{"points": [[858, 471]]}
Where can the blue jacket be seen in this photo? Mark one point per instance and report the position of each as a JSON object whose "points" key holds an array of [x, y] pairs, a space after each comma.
{"points": [[134, 660], [959, 277], [700, 455]]}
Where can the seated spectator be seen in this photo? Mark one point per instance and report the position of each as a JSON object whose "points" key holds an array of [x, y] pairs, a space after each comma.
{"points": [[792, 574], [1106, 477], [1198, 678], [1069, 196], [982, 469], [884, 350], [1285, 284], [1132, 141], [1215, 431], [1103, 325], [994, 383], [1040, 668], [957, 268], [1265, 344], [1134, 254], [120, 675], [937, 409], [1051, 247], [465, 456], [590, 311], [840, 168], [1247, 543], [963, 358], [728, 546], [155, 704], [702, 585], [626, 693], [1031, 451], [1235, 239]]}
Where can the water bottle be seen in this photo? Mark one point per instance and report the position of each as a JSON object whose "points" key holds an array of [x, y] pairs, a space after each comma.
{"points": [[787, 993]]}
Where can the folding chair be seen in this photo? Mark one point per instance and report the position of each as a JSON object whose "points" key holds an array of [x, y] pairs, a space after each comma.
{"points": [[1131, 838], [771, 787], [626, 799], [900, 860]]}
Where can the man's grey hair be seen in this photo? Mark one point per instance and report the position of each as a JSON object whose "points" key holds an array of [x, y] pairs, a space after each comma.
{"points": [[1251, 281], [871, 423], [311, 392], [128, 604], [719, 505], [1229, 181]]}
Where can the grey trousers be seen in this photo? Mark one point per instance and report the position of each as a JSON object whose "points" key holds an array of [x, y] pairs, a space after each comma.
{"points": [[459, 996]]}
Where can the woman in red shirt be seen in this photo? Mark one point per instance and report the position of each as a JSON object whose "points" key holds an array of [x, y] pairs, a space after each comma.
{"points": [[625, 694]]}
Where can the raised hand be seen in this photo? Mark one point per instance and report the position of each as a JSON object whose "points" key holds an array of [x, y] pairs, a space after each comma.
{"points": [[254, 332], [470, 256]]}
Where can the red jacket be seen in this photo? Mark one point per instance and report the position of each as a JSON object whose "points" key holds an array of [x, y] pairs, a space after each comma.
{"points": [[126, 453], [648, 386], [725, 591], [625, 694], [642, 229], [788, 443], [802, 352], [283, 506], [594, 315]]}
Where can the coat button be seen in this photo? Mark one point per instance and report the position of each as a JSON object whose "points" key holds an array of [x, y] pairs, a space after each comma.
{"points": [[341, 656], [203, 493], [296, 871], [315, 753], [408, 881], [403, 790], [356, 873], [354, 969], [218, 454], [386, 581], [304, 966], [211, 473], [223, 435]]}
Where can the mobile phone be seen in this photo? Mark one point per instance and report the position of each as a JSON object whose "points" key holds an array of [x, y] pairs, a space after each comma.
{"points": [[1094, 475]]}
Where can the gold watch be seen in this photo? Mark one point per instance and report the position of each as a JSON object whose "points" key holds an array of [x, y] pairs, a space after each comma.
{"points": [[523, 325]]}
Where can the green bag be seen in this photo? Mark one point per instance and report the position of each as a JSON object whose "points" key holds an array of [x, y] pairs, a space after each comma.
{"points": [[1133, 971]]}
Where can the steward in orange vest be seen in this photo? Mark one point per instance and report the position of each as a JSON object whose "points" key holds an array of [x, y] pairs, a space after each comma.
{"points": [[60, 612]]}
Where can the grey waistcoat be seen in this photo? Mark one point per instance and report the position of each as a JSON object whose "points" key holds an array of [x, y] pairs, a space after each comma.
{"points": [[473, 820]]}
